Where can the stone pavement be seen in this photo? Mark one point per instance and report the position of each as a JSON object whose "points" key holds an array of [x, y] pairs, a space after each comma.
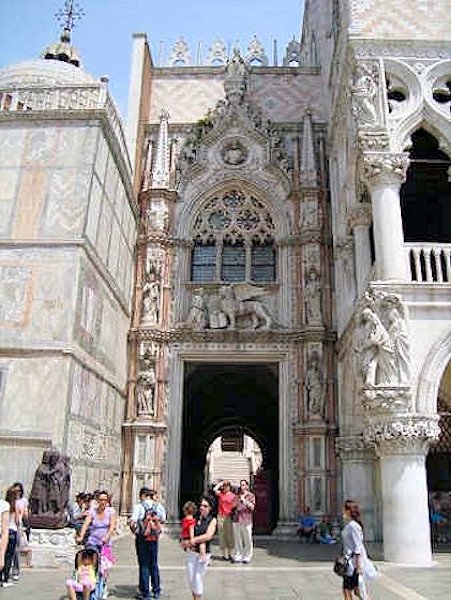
{"points": [[280, 571]]}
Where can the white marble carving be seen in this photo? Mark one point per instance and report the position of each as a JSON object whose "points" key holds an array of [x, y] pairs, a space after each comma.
{"points": [[145, 393], [151, 301], [382, 342], [364, 92], [312, 297], [314, 384]]}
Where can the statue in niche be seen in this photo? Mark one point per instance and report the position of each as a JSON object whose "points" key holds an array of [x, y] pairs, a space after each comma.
{"points": [[158, 216], [197, 317], [145, 393], [364, 93], [309, 213], [49, 494], [151, 300], [312, 297], [314, 385], [240, 300]]}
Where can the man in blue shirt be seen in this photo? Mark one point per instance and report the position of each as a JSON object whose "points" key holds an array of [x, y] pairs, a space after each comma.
{"points": [[147, 550], [307, 526]]}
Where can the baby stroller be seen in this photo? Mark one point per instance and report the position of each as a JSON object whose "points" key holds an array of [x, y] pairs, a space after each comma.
{"points": [[96, 562]]}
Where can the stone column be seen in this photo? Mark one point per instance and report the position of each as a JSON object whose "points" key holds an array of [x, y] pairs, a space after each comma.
{"points": [[384, 173], [358, 479], [402, 443], [359, 221]]}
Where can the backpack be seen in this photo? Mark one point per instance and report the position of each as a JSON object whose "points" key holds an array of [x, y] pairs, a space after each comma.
{"points": [[149, 527]]}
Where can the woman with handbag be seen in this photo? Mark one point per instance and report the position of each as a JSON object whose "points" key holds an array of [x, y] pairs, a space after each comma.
{"points": [[23, 532], [359, 567]]}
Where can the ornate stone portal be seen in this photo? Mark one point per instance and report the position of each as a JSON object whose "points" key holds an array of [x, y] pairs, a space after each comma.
{"points": [[214, 286]]}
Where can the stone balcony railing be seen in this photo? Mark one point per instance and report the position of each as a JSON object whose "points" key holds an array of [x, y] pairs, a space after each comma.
{"points": [[429, 263], [74, 99]]}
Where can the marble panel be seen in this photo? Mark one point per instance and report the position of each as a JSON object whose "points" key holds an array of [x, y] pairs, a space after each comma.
{"points": [[11, 146], [101, 158], [103, 232], [76, 144], [35, 397], [16, 284], [95, 201], [111, 180], [41, 146], [66, 203], [8, 188], [30, 202], [113, 250]]}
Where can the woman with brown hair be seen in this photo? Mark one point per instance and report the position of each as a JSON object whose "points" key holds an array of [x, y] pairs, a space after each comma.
{"points": [[360, 568], [13, 525]]}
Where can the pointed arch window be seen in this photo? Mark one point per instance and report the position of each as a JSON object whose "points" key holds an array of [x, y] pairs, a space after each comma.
{"points": [[233, 241], [426, 194]]}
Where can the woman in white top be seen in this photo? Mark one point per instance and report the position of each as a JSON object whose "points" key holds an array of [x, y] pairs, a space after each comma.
{"points": [[4, 532], [360, 568], [13, 522]]}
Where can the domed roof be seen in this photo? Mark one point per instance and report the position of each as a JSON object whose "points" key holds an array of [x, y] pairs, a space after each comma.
{"points": [[40, 72]]}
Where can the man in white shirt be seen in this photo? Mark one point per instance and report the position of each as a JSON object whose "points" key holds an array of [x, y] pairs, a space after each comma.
{"points": [[147, 550]]}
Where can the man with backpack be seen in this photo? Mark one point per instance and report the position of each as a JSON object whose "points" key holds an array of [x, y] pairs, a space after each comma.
{"points": [[146, 520]]}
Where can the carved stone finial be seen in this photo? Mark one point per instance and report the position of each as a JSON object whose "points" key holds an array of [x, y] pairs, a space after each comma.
{"points": [[217, 54], [292, 56], [309, 177], [180, 54], [235, 79], [160, 174], [256, 53]]}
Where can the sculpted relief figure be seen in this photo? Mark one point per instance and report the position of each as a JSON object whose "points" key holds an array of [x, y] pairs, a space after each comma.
{"points": [[240, 301], [232, 307], [197, 317], [145, 393], [364, 92], [50, 491], [151, 301], [382, 341], [312, 297], [314, 385]]}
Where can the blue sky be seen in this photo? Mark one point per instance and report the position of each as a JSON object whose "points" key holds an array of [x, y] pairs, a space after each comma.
{"points": [[103, 36]]}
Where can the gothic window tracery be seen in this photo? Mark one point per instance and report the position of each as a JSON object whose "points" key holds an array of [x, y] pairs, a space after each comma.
{"points": [[233, 240]]}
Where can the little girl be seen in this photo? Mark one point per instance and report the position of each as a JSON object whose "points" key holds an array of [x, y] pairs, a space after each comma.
{"points": [[188, 523], [85, 577]]}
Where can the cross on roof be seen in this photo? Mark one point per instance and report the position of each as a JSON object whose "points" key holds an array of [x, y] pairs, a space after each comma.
{"points": [[68, 15]]}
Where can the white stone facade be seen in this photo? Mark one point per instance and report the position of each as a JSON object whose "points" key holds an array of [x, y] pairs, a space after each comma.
{"points": [[276, 288], [66, 261]]}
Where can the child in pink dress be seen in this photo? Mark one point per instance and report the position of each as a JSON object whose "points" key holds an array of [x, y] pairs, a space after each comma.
{"points": [[85, 575]]}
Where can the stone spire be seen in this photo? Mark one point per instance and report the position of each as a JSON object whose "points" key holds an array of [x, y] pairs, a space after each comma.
{"points": [[308, 163], [160, 174], [63, 49]]}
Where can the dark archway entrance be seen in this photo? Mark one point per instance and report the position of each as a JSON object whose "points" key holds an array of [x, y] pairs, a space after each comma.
{"points": [[222, 398]]}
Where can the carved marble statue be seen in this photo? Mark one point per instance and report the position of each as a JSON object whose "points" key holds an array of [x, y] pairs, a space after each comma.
{"points": [[314, 385], [240, 300], [364, 93], [197, 317], [312, 297], [151, 301], [383, 345], [145, 393], [49, 494], [309, 214]]}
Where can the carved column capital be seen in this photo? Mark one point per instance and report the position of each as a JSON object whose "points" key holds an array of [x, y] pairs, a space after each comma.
{"points": [[351, 447], [360, 215], [384, 168], [401, 434]]}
